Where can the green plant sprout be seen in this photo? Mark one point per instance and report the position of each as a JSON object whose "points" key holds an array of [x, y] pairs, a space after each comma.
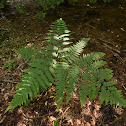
{"points": [[20, 8], [11, 64]]}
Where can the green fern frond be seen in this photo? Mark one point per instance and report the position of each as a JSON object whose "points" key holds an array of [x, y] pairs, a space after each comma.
{"points": [[110, 93], [28, 53], [73, 74], [60, 63], [87, 59], [61, 81], [74, 51], [58, 39], [84, 89], [93, 77]]}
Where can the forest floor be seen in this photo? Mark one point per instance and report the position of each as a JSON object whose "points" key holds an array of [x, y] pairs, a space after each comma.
{"points": [[105, 24]]}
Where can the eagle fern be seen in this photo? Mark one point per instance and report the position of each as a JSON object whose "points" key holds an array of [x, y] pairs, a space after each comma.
{"points": [[60, 63]]}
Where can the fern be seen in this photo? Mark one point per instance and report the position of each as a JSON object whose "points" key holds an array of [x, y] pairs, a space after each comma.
{"points": [[60, 63]]}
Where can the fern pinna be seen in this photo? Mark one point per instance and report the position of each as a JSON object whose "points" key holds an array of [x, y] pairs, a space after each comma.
{"points": [[60, 63]]}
